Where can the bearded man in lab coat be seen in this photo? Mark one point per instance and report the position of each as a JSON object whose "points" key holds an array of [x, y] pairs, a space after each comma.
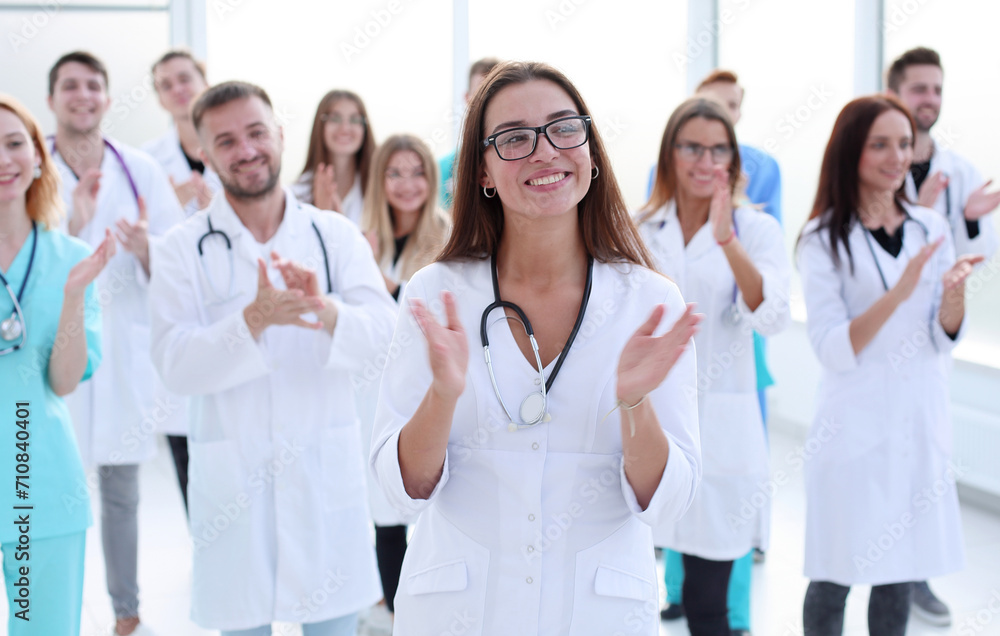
{"points": [[262, 307]]}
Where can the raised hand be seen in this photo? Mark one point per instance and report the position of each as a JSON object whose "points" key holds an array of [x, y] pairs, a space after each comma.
{"points": [[720, 211], [981, 202], [193, 189], [84, 272], [84, 201], [954, 278], [134, 237], [647, 359], [278, 306], [447, 347], [911, 275], [931, 189], [296, 276], [325, 196], [202, 191]]}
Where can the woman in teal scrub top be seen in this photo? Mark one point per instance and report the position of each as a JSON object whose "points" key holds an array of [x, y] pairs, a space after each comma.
{"points": [[50, 328]]}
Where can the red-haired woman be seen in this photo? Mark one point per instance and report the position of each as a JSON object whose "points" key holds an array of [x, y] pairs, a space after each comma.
{"points": [[886, 303], [50, 340], [540, 466]]}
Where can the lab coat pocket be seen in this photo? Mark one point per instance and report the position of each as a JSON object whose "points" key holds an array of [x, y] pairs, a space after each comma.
{"points": [[615, 584], [343, 467], [443, 581], [732, 435], [448, 577]]}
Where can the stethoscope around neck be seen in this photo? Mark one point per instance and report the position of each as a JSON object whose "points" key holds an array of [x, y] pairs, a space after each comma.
{"points": [[118, 157], [14, 328], [534, 407], [871, 248], [231, 293]]}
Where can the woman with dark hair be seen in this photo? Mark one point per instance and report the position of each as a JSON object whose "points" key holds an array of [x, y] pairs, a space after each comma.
{"points": [[50, 341], [539, 468], [885, 298], [339, 159], [730, 260]]}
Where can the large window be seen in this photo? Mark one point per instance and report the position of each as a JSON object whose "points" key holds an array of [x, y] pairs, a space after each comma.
{"points": [[126, 39], [968, 121]]}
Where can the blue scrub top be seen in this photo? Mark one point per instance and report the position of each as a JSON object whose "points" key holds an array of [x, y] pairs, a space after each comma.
{"points": [[57, 488]]}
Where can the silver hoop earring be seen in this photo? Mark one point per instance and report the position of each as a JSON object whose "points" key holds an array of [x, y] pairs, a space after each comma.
{"points": [[487, 194], [593, 173], [38, 172]]}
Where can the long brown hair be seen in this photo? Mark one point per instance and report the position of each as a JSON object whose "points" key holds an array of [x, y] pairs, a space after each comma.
{"points": [[665, 185], [608, 232], [432, 228], [837, 195], [42, 200], [317, 153]]}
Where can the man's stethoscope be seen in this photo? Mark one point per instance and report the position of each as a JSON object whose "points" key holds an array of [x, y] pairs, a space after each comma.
{"points": [[121, 162], [871, 249], [14, 327], [229, 250], [534, 407]]}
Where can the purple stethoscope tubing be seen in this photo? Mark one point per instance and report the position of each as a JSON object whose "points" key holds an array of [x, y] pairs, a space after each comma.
{"points": [[121, 162]]}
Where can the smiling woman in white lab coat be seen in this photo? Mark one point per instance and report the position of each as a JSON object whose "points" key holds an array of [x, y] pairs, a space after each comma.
{"points": [[730, 261], [536, 509], [885, 301], [341, 146]]}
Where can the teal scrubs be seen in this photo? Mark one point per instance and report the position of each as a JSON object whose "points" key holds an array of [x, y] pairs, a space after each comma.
{"points": [[446, 166], [56, 487]]}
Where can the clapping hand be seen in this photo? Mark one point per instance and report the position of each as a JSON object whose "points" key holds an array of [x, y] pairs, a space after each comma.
{"points": [[84, 272], [447, 346], [647, 359], [84, 201]]}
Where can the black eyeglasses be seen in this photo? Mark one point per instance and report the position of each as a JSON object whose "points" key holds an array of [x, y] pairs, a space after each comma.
{"points": [[563, 133], [694, 152]]}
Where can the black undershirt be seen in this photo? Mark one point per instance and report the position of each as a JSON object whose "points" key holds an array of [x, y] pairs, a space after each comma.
{"points": [[891, 243], [400, 244], [920, 172], [194, 164]]}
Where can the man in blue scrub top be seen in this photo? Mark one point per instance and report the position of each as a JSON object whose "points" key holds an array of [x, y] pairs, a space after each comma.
{"points": [[763, 189]]}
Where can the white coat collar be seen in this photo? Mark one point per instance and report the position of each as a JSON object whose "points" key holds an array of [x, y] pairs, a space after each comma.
{"points": [[665, 224], [293, 224]]}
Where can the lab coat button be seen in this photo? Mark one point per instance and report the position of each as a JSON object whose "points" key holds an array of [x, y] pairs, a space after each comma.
{"points": [[531, 517], [534, 446], [537, 381], [528, 580], [531, 548]]}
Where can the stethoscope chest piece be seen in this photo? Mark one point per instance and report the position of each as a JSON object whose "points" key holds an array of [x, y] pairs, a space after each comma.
{"points": [[11, 329], [731, 315], [533, 408]]}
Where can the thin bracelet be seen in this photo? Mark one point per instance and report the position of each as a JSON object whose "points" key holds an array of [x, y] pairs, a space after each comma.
{"points": [[628, 411], [732, 235]]}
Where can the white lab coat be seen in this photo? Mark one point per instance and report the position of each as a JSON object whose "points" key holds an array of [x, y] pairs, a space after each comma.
{"points": [[277, 501], [353, 203], [166, 149], [963, 178], [536, 530], [118, 412], [882, 432], [725, 520]]}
